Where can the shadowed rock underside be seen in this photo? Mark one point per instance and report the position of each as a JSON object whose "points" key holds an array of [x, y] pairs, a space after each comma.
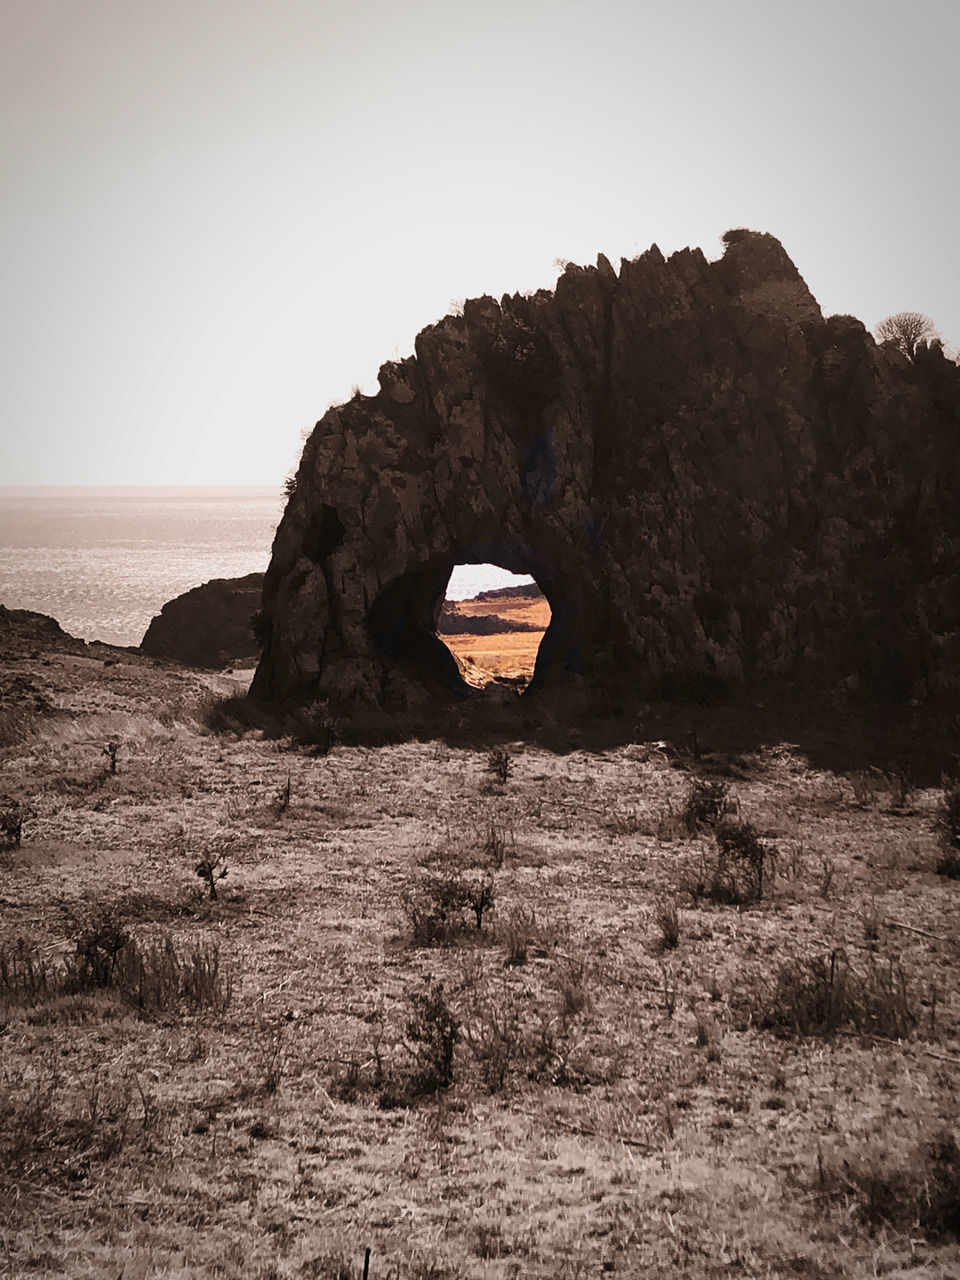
{"points": [[707, 478]]}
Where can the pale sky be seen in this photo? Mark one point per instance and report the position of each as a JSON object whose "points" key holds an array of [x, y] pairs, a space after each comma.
{"points": [[217, 216]]}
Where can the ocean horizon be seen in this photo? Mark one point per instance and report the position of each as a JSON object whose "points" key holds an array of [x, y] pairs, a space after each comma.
{"points": [[104, 559]]}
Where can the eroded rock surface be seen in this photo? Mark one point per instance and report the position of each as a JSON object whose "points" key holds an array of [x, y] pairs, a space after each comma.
{"points": [[209, 626], [706, 477]]}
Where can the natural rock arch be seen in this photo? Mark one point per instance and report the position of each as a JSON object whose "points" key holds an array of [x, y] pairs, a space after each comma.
{"points": [[403, 619], [706, 477]]}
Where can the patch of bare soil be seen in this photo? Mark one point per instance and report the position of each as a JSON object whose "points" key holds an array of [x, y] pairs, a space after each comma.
{"points": [[646, 1010]]}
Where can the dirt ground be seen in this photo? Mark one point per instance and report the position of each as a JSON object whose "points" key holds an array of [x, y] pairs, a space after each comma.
{"points": [[487, 1009]]}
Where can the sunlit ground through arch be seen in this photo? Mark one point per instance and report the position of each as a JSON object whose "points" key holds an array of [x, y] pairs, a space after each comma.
{"points": [[493, 622]]}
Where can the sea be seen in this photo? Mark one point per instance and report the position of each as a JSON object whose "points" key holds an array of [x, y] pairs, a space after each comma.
{"points": [[103, 561]]}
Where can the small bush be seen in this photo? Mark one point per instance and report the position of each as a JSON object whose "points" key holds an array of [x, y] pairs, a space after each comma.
{"points": [[11, 823], [704, 806], [948, 831], [736, 872], [824, 995], [667, 919], [478, 894], [742, 860], [493, 1030], [498, 763], [518, 933], [210, 868], [498, 842], [915, 1187], [432, 1032], [314, 728], [436, 910]]}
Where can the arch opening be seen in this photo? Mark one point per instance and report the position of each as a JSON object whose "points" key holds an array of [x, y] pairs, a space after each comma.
{"points": [[493, 622], [413, 625]]}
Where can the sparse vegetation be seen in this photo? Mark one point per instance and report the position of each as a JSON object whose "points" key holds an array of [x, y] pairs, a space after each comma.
{"points": [[948, 830], [211, 867], [907, 330], [474, 1026], [735, 871], [705, 805], [148, 976], [825, 994], [432, 1033], [11, 823], [498, 763]]}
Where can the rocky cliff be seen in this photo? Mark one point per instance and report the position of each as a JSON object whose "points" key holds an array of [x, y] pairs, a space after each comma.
{"points": [[706, 477]]}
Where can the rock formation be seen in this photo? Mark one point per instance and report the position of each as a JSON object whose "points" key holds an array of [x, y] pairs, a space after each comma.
{"points": [[25, 634], [209, 626], [706, 477], [454, 622]]}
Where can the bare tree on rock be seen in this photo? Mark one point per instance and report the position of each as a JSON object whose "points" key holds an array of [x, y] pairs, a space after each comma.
{"points": [[906, 330]]}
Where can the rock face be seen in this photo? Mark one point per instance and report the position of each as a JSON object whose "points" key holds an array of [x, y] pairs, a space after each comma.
{"points": [[705, 477], [209, 626]]}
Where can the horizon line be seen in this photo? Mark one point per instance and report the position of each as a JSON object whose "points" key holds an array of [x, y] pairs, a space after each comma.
{"points": [[11, 488]]}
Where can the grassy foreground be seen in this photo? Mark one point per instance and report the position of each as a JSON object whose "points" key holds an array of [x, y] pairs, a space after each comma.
{"points": [[652, 1008]]}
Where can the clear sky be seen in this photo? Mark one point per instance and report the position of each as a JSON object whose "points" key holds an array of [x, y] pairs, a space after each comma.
{"points": [[217, 216]]}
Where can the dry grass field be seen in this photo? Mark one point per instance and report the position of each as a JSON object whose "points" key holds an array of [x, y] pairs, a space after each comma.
{"points": [[683, 1002], [511, 654]]}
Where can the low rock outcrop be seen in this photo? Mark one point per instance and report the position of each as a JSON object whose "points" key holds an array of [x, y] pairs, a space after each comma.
{"points": [[706, 477], [25, 634], [454, 622], [209, 626]]}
